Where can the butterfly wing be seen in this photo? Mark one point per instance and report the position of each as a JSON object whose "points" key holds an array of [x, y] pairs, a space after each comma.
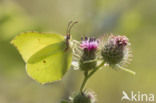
{"points": [[46, 58], [50, 64], [30, 42]]}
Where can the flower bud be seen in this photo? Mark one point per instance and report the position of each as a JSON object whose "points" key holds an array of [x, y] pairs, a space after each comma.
{"points": [[89, 47], [115, 50], [87, 97]]}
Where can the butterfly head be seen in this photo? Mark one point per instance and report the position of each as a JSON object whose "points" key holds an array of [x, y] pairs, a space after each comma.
{"points": [[68, 36]]}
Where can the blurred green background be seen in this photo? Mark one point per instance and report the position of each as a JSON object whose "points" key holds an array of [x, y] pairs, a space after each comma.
{"points": [[134, 18]]}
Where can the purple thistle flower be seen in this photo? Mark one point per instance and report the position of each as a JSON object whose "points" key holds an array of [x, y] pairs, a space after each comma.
{"points": [[89, 48], [89, 44]]}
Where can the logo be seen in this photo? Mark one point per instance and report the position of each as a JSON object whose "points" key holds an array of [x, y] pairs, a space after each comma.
{"points": [[138, 97]]}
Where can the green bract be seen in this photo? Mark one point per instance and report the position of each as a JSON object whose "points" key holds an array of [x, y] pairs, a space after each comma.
{"points": [[45, 55]]}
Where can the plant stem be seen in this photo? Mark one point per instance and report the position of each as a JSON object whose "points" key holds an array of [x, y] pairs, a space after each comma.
{"points": [[87, 76], [97, 68], [83, 83]]}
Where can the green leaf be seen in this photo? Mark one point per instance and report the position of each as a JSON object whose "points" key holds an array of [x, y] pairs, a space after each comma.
{"points": [[45, 55]]}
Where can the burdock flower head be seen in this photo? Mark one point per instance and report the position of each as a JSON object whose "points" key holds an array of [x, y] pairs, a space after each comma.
{"points": [[89, 48], [115, 51]]}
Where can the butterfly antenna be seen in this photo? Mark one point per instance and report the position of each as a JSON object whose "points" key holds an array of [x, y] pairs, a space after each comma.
{"points": [[70, 22], [70, 25]]}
